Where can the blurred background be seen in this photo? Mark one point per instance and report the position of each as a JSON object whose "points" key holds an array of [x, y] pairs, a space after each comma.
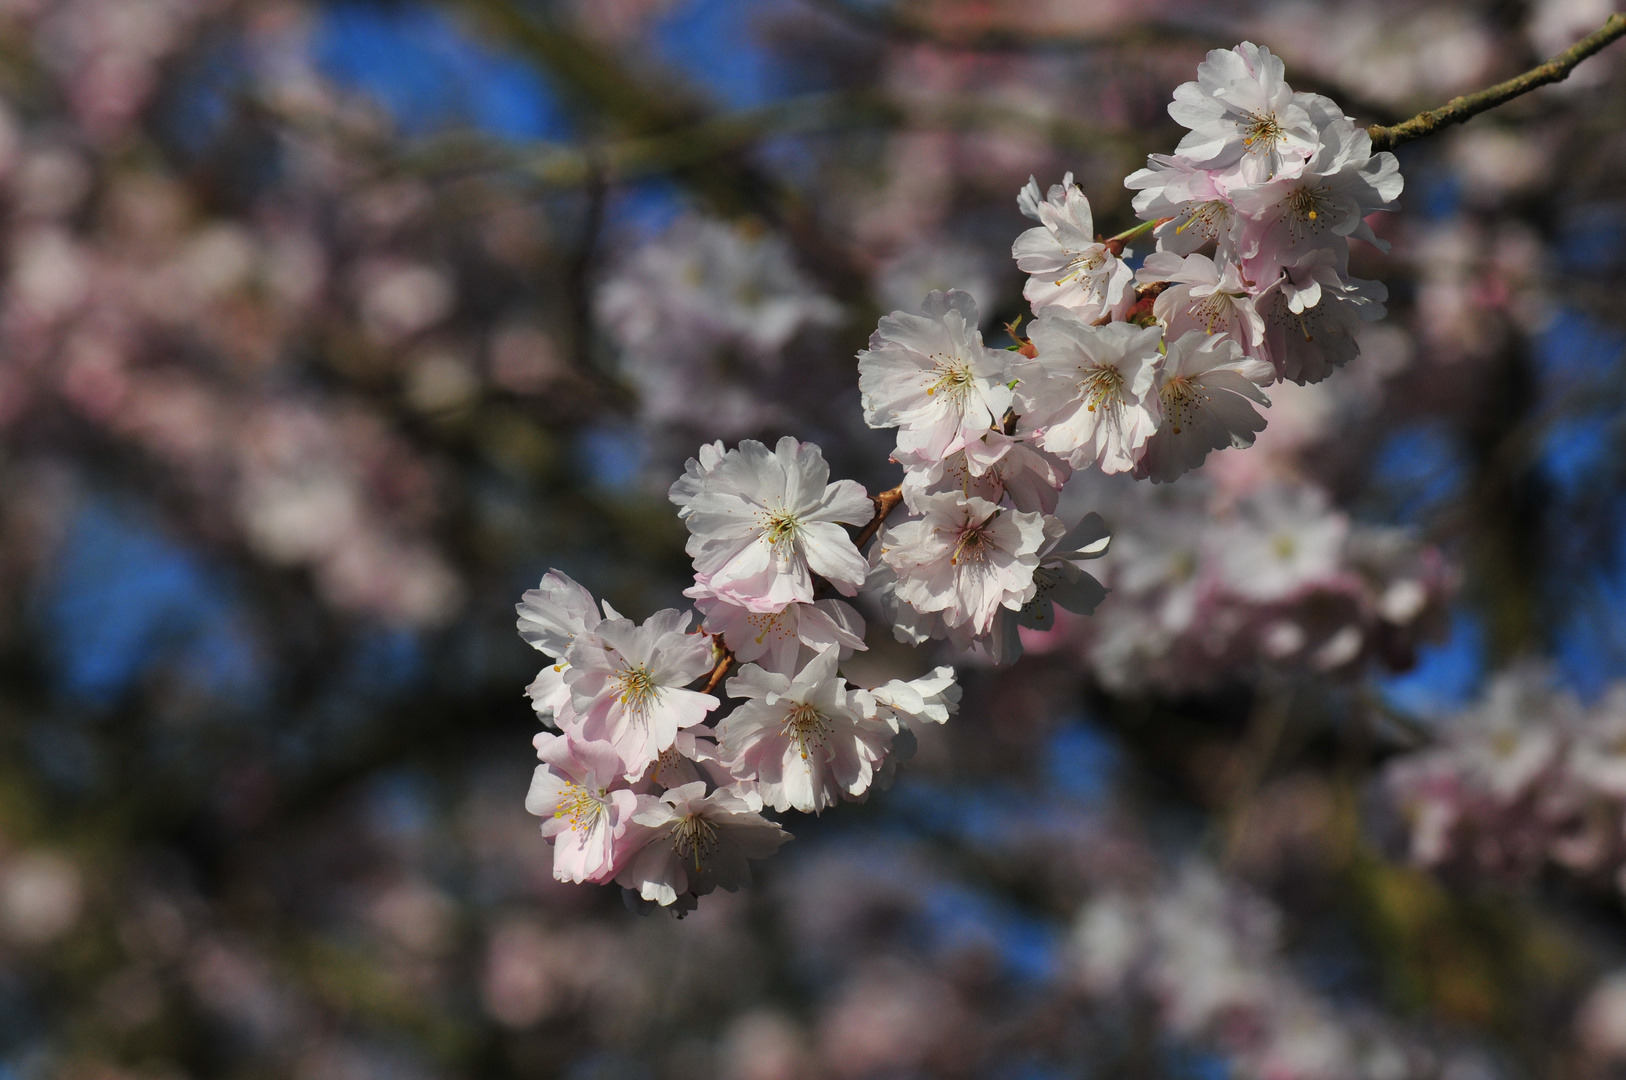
{"points": [[327, 328]]}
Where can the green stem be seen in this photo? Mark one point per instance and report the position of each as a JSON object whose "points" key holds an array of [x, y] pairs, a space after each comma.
{"points": [[1137, 232]]}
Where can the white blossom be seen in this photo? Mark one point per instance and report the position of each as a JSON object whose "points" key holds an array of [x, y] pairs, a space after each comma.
{"points": [[695, 472], [1330, 198], [550, 617], [1207, 386], [1245, 121], [804, 740], [763, 522], [965, 558], [627, 684], [779, 640], [931, 377], [1067, 266], [1285, 539], [905, 705], [579, 793], [1205, 296], [1014, 468], [1058, 580], [693, 843], [1311, 316], [1197, 211], [1094, 401]]}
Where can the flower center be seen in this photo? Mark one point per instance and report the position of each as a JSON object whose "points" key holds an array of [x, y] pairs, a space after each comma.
{"points": [[781, 528], [1214, 309], [974, 545], [768, 624], [1181, 400], [1261, 128], [1101, 384], [693, 837], [1283, 546], [953, 379], [807, 726], [636, 687], [1283, 315], [1304, 207], [1084, 262], [1209, 219], [582, 807]]}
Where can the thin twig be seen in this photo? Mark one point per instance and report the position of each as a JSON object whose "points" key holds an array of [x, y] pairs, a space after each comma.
{"points": [[1468, 106], [885, 502], [724, 662]]}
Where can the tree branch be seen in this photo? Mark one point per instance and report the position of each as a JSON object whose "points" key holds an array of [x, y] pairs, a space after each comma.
{"points": [[885, 502], [899, 26], [724, 661], [1463, 108]]}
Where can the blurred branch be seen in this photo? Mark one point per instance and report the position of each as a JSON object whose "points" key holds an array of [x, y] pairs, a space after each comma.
{"points": [[607, 87], [899, 26], [693, 146], [1461, 109]]}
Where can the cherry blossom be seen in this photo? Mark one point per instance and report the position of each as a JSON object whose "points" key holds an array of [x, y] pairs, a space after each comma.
{"points": [[1094, 400], [779, 640], [550, 617], [1015, 469], [1188, 203], [627, 684], [579, 791], [764, 521], [1246, 122], [1066, 264], [931, 377], [689, 842], [1208, 389], [904, 705], [804, 740], [1284, 540], [1330, 197], [1203, 296], [965, 558]]}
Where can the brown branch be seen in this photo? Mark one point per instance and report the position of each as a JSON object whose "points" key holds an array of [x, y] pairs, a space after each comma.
{"points": [[886, 502], [724, 662], [1460, 109]]}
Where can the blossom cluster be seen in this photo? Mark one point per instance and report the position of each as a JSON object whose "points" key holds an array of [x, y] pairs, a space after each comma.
{"points": [[641, 784], [1237, 572], [644, 786], [704, 315], [1207, 950], [1525, 779], [1249, 285]]}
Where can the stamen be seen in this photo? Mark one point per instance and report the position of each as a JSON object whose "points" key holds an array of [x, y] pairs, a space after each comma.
{"points": [[693, 837], [973, 543], [1214, 308], [954, 378], [637, 688], [807, 726], [1087, 261], [1262, 128], [1181, 400], [581, 806], [1304, 208], [1100, 384]]}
